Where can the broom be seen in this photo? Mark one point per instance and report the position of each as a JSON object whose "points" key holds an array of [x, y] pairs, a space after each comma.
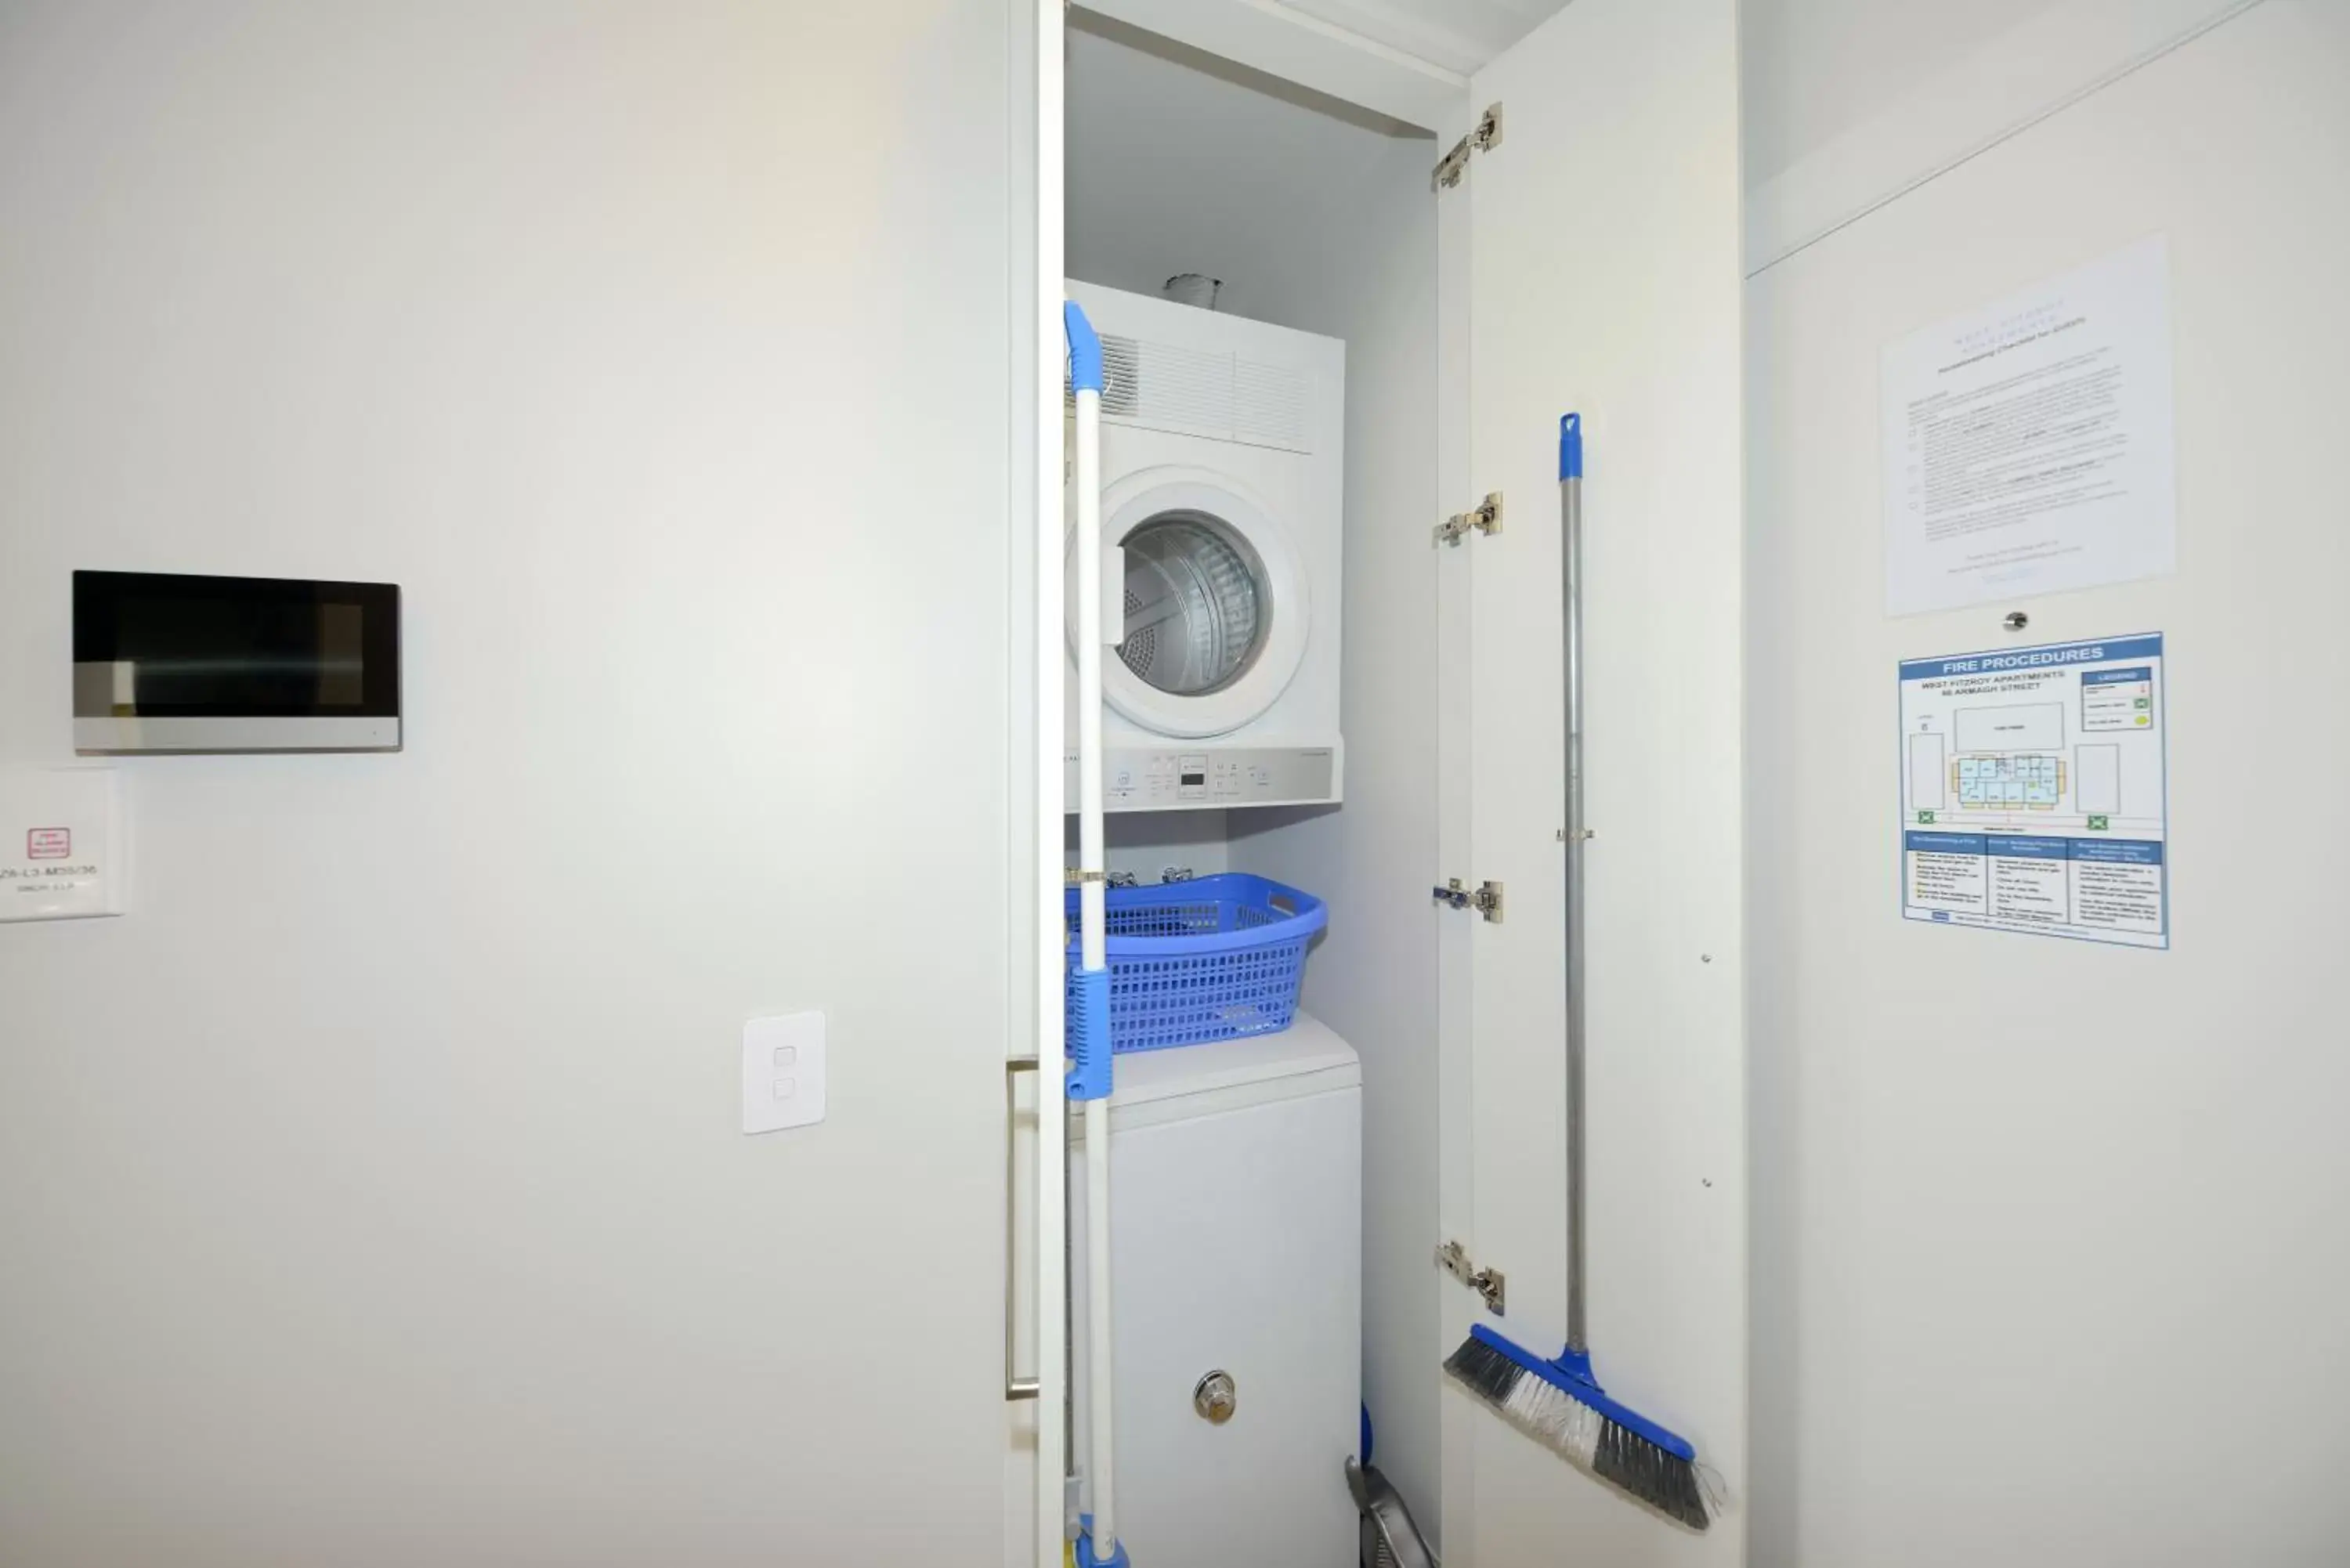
{"points": [[1558, 1402], [1096, 1546]]}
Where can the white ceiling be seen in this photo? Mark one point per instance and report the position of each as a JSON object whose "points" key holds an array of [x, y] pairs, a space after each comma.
{"points": [[1459, 35]]}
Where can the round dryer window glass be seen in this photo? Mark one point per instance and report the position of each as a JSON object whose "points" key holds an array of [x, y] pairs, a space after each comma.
{"points": [[1197, 606]]}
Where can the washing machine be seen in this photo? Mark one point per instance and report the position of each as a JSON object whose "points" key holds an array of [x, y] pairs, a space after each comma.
{"points": [[1222, 455], [1236, 1268]]}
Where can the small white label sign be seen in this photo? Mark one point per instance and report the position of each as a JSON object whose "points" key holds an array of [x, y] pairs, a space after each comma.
{"points": [[60, 844], [2027, 444]]}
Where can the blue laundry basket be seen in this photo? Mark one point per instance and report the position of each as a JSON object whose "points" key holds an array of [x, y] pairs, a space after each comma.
{"points": [[1211, 958]]}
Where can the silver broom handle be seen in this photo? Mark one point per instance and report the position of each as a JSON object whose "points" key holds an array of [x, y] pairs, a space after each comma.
{"points": [[1570, 496]]}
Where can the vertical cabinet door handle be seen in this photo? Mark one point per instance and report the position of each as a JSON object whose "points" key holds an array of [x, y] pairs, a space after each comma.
{"points": [[1014, 1387]]}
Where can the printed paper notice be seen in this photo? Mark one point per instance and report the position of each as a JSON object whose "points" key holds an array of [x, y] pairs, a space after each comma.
{"points": [[2032, 791], [2028, 444]]}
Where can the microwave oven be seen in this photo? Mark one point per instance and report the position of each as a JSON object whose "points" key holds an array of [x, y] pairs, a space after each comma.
{"points": [[164, 662]]}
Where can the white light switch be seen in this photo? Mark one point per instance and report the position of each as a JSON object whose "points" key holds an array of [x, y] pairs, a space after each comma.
{"points": [[783, 1071]]}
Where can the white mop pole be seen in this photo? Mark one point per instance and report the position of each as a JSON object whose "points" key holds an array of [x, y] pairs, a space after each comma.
{"points": [[1092, 957]]}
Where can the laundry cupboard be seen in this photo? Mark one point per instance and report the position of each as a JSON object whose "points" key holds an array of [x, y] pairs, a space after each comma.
{"points": [[1557, 232]]}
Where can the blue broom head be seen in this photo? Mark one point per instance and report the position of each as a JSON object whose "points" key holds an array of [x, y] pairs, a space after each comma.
{"points": [[1570, 1374], [1561, 1405]]}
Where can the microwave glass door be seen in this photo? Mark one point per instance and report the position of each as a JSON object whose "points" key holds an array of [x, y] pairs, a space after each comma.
{"points": [[171, 663]]}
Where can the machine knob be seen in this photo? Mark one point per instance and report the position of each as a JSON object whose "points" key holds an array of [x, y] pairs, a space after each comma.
{"points": [[1215, 1396]]}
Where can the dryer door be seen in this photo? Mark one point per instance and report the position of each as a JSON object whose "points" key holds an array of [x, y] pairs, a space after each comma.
{"points": [[1217, 612]]}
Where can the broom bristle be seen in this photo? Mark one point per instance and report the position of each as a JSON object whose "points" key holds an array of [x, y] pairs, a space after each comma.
{"points": [[1582, 1435]]}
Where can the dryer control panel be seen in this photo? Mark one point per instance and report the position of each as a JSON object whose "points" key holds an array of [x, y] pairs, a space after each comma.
{"points": [[1173, 778]]}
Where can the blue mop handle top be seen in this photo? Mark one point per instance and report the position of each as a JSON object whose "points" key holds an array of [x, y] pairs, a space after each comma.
{"points": [[1085, 349], [1570, 447]]}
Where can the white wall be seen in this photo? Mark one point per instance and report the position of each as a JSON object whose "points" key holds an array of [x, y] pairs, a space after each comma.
{"points": [[1812, 70], [1149, 844], [1847, 103], [372, 1194], [2047, 1238], [1325, 223]]}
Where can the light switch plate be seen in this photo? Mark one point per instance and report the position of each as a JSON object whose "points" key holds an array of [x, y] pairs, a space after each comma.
{"points": [[783, 1071]]}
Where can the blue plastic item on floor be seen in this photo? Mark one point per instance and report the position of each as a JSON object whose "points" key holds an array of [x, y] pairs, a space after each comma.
{"points": [[1214, 958], [1085, 1549]]}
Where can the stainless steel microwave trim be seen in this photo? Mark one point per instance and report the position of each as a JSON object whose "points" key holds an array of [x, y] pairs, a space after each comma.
{"points": [[126, 734]]}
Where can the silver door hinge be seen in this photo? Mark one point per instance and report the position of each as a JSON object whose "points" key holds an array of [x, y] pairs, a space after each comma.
{"points": [[1453, 1259], [1485, 898], [1484, 139], [1485, 517]]}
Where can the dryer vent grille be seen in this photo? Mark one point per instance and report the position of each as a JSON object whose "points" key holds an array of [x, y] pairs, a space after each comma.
{"points": [[1269, 405], [1161, 387]]}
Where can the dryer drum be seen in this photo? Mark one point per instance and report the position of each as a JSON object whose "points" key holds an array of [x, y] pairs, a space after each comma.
{"points": [[1195, 603]]}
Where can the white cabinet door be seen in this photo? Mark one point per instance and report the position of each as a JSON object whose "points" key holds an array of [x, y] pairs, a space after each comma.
{"points": [[1596, 246], [1036, 1344]]}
